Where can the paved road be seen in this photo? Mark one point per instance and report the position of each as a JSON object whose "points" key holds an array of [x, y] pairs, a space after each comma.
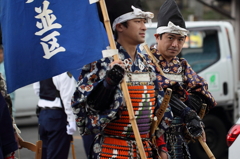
{"points": [[29, 133]]}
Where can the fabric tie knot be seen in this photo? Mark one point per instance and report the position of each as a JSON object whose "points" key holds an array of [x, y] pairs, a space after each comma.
{"points": [[178, 29]]}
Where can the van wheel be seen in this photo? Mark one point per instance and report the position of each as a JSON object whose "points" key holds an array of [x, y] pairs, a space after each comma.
{"points": [[216, 139]]}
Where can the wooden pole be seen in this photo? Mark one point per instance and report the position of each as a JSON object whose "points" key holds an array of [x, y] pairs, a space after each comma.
{"points": [[73, 149], [145, 46], [206, 148], [200, 139], [123, 84]]}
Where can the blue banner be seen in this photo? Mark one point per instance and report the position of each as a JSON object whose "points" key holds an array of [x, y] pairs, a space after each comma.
{"points": [[43, 38]]}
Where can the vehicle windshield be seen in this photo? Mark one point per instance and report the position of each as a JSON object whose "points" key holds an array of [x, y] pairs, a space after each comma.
{"points": [[201, 49]]}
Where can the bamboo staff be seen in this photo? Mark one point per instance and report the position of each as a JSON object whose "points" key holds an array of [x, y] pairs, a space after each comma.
{"points": [[203, 144], [145, 46], [73, 149], [206, 148], [200, 139], [123, 84]]}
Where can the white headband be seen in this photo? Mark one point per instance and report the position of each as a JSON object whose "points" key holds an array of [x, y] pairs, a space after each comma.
{"points": [[136, 13], [171, 28]]}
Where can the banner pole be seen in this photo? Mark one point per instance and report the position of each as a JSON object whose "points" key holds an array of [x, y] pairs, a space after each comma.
{"points": [[145, 46], [73, 149], [123, 84], [200, 139]]}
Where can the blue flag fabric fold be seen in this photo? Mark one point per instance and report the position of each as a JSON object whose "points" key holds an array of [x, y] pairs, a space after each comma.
{"points": [[43, 38]]}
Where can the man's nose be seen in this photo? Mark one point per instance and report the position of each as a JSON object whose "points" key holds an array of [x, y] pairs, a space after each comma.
{"points": [[143, 26], [175, 43]]}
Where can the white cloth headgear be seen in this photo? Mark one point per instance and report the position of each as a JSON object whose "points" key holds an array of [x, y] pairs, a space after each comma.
{"points": [[171, 28], [136, 13]]}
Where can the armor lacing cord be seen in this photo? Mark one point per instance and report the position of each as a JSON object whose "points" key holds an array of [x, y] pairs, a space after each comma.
{"points": [[121, 130], [122, 148], [177, 147]]}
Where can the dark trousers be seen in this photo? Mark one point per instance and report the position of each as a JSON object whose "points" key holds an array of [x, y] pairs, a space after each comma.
{"points": [[52, 131], [87, 142], [8, 143]]}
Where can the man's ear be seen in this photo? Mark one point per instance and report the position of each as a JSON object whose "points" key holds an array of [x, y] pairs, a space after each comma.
{"points": [[119, 27], [185, 38]]}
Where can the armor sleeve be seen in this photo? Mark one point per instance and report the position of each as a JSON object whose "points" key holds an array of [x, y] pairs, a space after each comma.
{"points": [[89, 120], [177, 105], [195, 102], [197, 85], [189, 116], [181, 109], [101, 96]]}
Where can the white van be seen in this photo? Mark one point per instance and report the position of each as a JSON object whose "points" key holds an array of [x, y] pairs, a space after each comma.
{"points": [[25, 102]]}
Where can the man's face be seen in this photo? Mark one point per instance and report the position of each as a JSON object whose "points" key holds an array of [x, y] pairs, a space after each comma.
{"points": [[135, 32], [170, 45]]}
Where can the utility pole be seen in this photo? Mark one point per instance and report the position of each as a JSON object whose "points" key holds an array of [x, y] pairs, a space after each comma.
{"points": [[236, 23]]}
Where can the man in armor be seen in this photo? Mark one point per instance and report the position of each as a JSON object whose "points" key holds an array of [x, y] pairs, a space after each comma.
{"points": [[190, 91], [98, 100]]}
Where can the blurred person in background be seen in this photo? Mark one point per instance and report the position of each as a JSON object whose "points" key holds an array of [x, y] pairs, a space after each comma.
{"points": [[8, 132], [8, 144], [55, 115], [2, 71]]}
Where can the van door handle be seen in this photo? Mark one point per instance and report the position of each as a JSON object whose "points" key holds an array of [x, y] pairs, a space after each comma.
{"points": [[225, 88]]}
